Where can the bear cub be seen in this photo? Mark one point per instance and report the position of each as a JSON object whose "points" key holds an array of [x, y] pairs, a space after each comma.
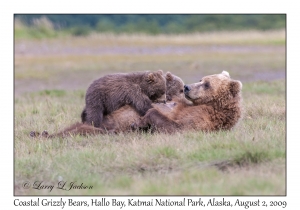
{"points": [[113, 91]]}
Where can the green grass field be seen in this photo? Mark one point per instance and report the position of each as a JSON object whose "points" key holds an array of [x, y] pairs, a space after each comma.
{"points": [[51, 77]]}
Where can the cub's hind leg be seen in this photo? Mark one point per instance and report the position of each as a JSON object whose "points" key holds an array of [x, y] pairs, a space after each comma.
{"points": [[93, 115]]}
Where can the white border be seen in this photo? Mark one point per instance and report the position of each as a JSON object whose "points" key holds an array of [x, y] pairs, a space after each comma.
{"points": [[154, 6]]}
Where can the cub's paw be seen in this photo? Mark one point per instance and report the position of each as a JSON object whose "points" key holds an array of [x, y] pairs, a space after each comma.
{"points": [[133, 126], [160, 101]]}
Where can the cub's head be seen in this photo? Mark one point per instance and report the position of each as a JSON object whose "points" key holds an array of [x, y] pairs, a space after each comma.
{"points": [[175, 87], [155, 86], [213, 88]]}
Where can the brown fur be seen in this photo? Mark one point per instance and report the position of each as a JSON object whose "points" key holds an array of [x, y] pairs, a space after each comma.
{"points": [[73, 130], [111, 92], [175, 86], [216, 105], [122, 119]]}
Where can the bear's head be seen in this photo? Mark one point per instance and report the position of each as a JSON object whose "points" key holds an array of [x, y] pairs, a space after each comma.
{"points": [[175, 87], [155, 86], [218, 88]]}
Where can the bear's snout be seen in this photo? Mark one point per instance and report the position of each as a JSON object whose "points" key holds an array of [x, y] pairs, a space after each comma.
{"points": [[187, 88]]}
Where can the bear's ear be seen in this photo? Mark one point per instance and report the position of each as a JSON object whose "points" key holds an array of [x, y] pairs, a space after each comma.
{"points": [[169, 76], [160, 72], [225, 73], [235, 87], [150, 78]]}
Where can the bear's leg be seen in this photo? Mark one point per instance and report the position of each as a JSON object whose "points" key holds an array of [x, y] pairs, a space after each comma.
{"points": [[157, 121], [141, 103], [83, 115], [94, 116], [74, 130], [84, 130]]}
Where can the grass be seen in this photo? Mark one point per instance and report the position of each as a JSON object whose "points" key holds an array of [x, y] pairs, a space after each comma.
{"points": [[148, 164], [49, 95]]}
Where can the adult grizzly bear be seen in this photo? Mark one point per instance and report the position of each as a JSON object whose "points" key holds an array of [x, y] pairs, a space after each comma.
{"points": [[216, 106], [113, 91]]}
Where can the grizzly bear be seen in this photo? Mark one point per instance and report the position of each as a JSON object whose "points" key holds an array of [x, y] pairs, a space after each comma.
{"points": [[216, 106], [175, 86], [113, 91], [121, 119]]}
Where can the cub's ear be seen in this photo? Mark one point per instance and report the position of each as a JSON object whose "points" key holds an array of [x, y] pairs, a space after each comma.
{"points": [[150, 78], [225, 73], [160, 72], [235, 87], [169, 76]]}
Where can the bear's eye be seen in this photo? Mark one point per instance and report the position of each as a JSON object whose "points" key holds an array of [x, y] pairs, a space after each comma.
{"points": [[181, 91], [206, 85]]}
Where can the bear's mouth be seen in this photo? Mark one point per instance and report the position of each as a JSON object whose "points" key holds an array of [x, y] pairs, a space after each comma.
{"points": [[188, 98], [191, 99]]}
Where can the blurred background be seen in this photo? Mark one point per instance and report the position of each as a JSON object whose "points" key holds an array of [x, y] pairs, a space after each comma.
{"points": [[151, 24], [70, 51]]}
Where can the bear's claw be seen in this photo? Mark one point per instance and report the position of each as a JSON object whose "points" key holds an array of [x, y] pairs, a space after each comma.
{"points": [[45, 133], [34, 134]]}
